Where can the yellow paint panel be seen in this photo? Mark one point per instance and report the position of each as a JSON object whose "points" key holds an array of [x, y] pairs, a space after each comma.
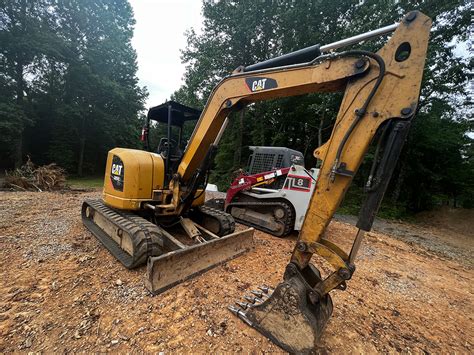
{"points": [[141, 172]]}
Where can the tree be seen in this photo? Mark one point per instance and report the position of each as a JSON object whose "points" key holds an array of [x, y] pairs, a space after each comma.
{"points": [[26, 38], [69, 87], [244, 32]]}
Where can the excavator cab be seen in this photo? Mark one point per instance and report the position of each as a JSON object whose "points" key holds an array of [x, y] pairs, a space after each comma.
{"points": [[168, 137]]}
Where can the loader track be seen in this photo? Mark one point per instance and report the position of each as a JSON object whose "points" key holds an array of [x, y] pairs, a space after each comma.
{"points": [[223, 224], [288, 220], [144, 237]]}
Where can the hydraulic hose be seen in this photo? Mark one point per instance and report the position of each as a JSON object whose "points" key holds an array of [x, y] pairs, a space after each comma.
{"points": [[361, 111]]}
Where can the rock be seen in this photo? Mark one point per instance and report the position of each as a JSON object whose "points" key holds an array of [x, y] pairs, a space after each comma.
{"points": [[124, 337], [55, 286], [209, 332], [86, 258], [77, 335], [118, 282], [28, 343], [114, 342]]}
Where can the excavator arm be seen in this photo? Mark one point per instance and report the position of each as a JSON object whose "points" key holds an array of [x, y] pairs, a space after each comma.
{"points": [[381, 92]]}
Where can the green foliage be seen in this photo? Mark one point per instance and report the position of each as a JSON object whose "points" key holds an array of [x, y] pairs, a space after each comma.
{"points": [[70, 91], [436, 165]]}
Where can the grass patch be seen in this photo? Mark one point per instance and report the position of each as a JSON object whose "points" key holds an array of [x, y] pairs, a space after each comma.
{"points": [[89, 182]]}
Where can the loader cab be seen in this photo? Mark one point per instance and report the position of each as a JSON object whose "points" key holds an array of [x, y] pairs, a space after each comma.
{"points": [[167, 130]]}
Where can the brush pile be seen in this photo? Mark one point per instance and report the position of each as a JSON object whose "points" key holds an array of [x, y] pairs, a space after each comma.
{"points": [[31, 178]]}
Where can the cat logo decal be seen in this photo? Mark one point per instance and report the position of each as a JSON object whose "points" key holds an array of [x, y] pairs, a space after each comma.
{"points": [[258, 84]]}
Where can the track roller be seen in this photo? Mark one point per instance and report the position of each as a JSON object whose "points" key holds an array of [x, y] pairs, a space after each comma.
{"points": [[131, 239]]}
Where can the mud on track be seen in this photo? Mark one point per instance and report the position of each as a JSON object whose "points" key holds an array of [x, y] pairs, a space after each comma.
{"points": [[61, 291]]}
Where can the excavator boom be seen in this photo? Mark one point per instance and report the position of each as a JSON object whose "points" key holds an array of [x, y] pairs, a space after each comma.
{"points": [[381, 92], [381, 96]]}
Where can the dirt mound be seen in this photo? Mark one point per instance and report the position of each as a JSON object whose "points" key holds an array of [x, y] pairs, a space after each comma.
{"points": [[458, 220]]}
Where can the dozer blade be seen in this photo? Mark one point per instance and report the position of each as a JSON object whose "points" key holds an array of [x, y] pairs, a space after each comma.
{"points": [[170, 269], [290, 316]]}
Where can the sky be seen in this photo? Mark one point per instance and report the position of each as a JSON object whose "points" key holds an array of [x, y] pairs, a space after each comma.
{"points": [[158, 38]]}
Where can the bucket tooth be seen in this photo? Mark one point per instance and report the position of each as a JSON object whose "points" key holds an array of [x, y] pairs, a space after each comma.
{"points": [[288, 317], [265, 289], [239, 313], [243, 305], [259, 294], [253, 299]]}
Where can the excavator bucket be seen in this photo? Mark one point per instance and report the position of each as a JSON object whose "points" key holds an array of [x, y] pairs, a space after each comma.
{"points": [[174, 267], [291, 315]]}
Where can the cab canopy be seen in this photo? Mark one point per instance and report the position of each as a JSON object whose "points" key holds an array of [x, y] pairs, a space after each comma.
{"points": [[174, 111]]}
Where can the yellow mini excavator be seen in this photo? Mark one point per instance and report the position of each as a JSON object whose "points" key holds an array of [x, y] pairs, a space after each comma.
{"points": [[150, 197]]}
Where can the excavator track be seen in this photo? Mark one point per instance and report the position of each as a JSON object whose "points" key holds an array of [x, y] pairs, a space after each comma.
{"points": [[263, 216], [131, 239], [218, 222]]}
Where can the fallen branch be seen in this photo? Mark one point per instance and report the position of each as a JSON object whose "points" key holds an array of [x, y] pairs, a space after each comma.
{"points": [[30, 178]]}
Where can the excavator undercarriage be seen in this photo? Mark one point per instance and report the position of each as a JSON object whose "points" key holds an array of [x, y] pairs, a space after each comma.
{"points": [[133, 240]]}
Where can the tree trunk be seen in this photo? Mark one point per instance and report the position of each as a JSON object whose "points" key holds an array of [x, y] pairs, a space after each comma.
{"points": [[18, 151], [82, 145], [20, 86], [238, 146], [399, 182], [320, 131]]}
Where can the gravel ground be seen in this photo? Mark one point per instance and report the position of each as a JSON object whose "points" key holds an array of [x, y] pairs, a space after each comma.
{"points": [[445, 242], [61, 291]]}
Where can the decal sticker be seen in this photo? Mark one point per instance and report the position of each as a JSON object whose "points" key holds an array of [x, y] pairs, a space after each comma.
{"points": [[296, 159], [258, 84], [117, 173], [298, 183]]}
